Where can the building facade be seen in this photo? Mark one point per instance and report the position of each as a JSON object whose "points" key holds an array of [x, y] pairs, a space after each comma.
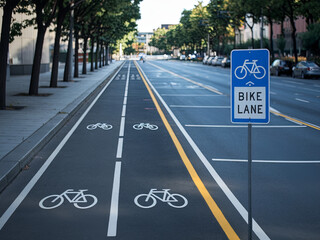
{"points": [[243, 34], [21, 50], [144, 39]]}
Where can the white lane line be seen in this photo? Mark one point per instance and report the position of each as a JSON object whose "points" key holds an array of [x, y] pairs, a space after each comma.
{"points": [[274, 110], [302, 100], [122, 125], [191, 95], [120, 148], [123, 116], [233, 199], [268, 161], [113, 217], [8, 213], [124, 109], [189, 106], [125, 99], [244, 126]]}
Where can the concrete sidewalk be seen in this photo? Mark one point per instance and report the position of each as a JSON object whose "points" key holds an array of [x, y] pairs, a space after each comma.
{"points": [[25, 131]]}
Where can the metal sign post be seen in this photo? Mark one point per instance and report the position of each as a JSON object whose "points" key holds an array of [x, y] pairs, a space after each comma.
{"points": [[250, 99], [249, 183]]}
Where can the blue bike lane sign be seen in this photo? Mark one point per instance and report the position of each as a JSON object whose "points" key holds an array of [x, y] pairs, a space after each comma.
{"points": [[250, 86]]}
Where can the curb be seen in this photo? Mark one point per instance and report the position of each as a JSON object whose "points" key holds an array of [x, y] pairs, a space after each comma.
{"points": [[14, 162]]}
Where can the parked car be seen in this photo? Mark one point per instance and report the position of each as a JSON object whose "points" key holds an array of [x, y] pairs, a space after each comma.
{"points": [[217, 61], [191, 57], [225, 62], [306, 69], [205, 60], [279, 67], [209, 62]]}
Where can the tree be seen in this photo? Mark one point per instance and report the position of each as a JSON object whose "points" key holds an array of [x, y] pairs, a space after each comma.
{"points": [[159, 40], [45, 11], [291, 11], [219, 20], [63, 8], [311, 39], [8, 7]]}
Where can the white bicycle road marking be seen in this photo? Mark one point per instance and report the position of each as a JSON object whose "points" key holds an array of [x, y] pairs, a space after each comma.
{"points": [[140, 126], [258, 71], [78, 198], [103, 126], [149, 200]]}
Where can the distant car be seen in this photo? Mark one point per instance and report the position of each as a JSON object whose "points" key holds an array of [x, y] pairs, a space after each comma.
{"points": [[183, 57], [209, 62], [205, 60], [279, 67], [225, 62], [217, 61], [192, 57], [306, 69]]}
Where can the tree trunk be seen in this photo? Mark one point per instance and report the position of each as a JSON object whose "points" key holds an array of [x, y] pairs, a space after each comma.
{"points": [[271, 37], [252, 39], [66, 74], [76, 53], [4, 48], [92, 47], [84, 63], [56, 51], [107, 54], [103, 56], [34, 82], [97, 53], [294, 40]]}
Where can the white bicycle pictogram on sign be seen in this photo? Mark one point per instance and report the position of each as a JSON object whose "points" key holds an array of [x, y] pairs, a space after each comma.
{"points": [[103, 126], [78, 198], [140, 126], [149, 200], [251, 67]]}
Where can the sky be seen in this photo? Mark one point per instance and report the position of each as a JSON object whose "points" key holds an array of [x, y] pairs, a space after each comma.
{"points": [[157, 12]]}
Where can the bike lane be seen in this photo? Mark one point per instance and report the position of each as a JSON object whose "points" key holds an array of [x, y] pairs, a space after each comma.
{"points": [[151, 164], [84, 161], [115, 166]]}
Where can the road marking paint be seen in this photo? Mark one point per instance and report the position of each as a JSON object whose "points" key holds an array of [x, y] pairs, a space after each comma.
{"points": [[123, 116], [189, 95], [12, 208], [296, 120], [212, 89], [274, 110], [120, 147], [190, 106], [245, 126], [268, 161], [125, 99], [225, 225], [124, 109], [113, 217], [302, 100], [122, 125], [236, 203]]}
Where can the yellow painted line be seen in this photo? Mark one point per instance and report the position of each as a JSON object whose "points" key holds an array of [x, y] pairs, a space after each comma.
{"points": [[189, 80], [231, 234], [295, 120]]}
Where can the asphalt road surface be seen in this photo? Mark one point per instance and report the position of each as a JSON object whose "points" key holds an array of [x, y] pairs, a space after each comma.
{"points": [[155, 156]]}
